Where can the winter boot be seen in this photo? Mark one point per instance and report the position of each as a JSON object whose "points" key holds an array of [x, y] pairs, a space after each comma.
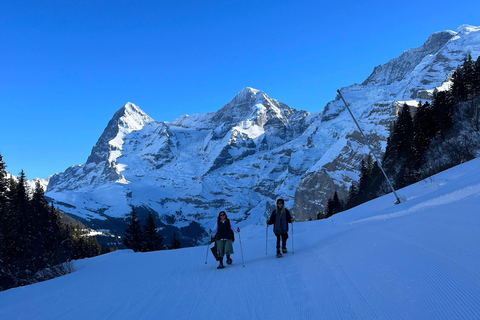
{"points": [[284, 249], [229, 260], [279, 254], [221, 266]]}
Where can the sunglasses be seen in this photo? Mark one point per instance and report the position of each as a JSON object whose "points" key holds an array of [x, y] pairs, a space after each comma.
{"points": [[222, 214]]}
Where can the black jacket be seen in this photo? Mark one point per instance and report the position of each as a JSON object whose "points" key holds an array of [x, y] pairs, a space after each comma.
{"points": [[273, 217], [224, 231]]}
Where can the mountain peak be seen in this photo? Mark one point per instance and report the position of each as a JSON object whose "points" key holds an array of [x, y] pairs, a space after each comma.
{"points": [[127, 119], [466, 28], [249, 94], [398, 68], [130, 116]]}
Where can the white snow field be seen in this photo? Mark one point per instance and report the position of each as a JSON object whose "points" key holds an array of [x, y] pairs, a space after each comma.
{"points": [[416, 260]]}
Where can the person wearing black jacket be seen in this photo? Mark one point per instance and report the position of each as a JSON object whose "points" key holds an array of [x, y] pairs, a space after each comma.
{"points": [[223, 230], [280, 218]]}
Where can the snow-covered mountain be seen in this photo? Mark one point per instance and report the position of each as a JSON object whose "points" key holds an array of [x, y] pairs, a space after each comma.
{"points": [[416, 260], [253, 150]]}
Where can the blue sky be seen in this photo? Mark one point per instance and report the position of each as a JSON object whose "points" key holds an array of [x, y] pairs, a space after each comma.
{"points": [[68, 66]]}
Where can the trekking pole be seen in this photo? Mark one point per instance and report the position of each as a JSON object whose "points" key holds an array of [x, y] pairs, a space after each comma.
{"points": [[206, 257], [266, 240], [293, 251], [241, 250]]}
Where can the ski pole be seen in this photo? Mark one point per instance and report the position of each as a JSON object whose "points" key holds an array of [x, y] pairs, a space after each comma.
{"points": [[241, 250], [266, 240], [206, 256], [293, 251]]}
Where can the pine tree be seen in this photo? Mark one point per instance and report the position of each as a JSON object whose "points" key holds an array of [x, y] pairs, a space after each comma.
{"points": [[476, 87], [84, 246], [458, 89], [330, 208], [443, 112], [175, 244], [338, 204], [133, 238], [152, 239], [404, 133], [15, 220], [424, 131], [468, 68], [352, 198], [334, 205]]}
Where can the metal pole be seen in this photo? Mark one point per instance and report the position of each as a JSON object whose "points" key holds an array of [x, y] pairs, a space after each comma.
{"points": [[371, 149], [266, 240], [293, 251], [208, 246], [241, 250]]}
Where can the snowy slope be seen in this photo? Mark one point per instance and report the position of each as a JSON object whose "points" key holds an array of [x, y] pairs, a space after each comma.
{"points": [[416, 260]]}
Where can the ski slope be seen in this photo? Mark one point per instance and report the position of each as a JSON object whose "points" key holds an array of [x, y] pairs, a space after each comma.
{"points": [[416, 260]]}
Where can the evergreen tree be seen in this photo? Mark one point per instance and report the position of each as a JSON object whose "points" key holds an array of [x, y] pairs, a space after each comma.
{"points": [[152, 240], [334, 205], [84, 246], [338, 204], [404, 133], [15, 219], [459, 90], [399, 151], [443, 112], [363, 183], [133, 235], [468, 68], [464, 80], [3, 189], [352, 198], [424, 131], [330, 208], [476, 87], [175, 244]]}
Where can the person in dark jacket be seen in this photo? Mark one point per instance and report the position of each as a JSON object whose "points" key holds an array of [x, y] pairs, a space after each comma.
{"points": [[223, 230], [280, 218]]}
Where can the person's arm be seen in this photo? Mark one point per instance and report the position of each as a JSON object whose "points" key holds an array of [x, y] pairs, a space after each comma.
{"points": [[214, 230], [289, 216], [272, 218]]}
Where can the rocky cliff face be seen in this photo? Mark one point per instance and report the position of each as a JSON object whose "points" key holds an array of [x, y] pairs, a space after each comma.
{"points": [[251, 151]]}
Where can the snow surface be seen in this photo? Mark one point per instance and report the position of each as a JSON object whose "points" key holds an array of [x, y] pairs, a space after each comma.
{"points": [[416, 260]]}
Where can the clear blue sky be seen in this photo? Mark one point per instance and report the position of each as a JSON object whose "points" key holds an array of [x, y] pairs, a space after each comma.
{"points": [[68, 66]]}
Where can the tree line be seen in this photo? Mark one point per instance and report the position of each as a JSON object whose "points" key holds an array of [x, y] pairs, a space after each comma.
{"points": [[145, 238], [434, 137], [35, 243]]}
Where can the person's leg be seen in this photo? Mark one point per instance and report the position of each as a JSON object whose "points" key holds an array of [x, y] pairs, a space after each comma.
{"points": [[278, 245], [220, 251], [221, 266], [284, 242], [229, 250]]}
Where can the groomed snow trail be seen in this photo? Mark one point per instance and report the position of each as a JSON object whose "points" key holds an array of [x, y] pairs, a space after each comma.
{"points": [[416, 260]]}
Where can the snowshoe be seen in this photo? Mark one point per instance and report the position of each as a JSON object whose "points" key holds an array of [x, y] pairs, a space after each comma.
{"points": [[279, 255], [284, 250], [229, 261], [221, 266]]}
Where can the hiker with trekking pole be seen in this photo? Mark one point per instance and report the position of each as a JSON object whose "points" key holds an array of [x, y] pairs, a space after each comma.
{"points": [[223, 231], [280, 218]]}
